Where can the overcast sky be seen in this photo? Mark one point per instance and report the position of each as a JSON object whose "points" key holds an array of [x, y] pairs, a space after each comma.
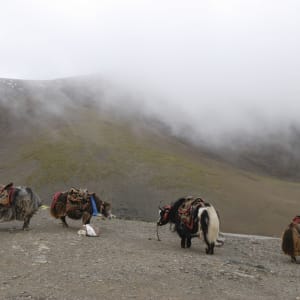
{"points": [[237, 62]]}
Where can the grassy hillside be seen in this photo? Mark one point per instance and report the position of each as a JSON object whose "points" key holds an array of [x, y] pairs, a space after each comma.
{"points": [[137, 170], [136, 164]]}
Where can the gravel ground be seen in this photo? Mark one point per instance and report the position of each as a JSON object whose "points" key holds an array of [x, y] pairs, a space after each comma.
{"points": [[127, 262]]}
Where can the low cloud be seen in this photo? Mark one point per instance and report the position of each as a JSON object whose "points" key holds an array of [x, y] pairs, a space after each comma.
{"points": [[218, 69]]}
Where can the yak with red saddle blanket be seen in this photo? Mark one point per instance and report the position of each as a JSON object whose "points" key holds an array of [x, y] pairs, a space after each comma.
{"points": [[192, 217], [78, 204], [290, 244], [18, 203]]}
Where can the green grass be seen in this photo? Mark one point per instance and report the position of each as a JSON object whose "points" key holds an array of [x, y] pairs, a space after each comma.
{"points": [[100, 149]]}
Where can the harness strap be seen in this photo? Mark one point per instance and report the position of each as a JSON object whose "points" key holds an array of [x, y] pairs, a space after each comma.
{"points": [[94, 206]]}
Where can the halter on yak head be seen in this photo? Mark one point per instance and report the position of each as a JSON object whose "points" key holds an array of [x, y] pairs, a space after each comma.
{"points": [[164, 215], [164, 218]]}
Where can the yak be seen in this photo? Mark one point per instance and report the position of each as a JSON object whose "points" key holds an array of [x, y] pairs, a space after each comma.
{"points": [[78, 204], [18, 203]]}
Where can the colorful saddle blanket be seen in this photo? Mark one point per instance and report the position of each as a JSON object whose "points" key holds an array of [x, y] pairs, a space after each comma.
{"points": [[7, 195], [188, 211]]}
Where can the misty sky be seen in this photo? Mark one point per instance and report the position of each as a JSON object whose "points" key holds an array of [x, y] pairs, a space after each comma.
{"points": [[237, 62]]}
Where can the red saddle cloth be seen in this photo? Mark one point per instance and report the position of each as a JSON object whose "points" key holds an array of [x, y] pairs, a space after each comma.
{"points": [[296, 220], [7, 195], [55, 197]]}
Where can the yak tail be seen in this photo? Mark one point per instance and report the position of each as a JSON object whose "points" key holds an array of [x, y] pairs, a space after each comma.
{"points": [[210, 225], [204, 222], [287, 244], [58, 208], [214, 227], [53, 212]]}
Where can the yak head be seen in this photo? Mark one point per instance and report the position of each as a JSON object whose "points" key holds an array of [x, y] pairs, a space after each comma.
{"points": [[164, 215]]}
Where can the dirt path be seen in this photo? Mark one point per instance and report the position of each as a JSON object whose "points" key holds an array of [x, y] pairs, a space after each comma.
{"points": [[127, 262]]}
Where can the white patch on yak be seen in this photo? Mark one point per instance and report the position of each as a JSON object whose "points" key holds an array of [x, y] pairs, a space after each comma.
{"points": [[214, 224]]}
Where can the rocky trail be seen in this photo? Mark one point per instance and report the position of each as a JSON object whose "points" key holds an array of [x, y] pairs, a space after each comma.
{"points": [[127, 262]]}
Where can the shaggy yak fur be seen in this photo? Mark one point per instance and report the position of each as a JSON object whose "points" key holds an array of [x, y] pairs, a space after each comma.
{"points": [[290, 244], [76, 204], [21, 203], [191, 216]]}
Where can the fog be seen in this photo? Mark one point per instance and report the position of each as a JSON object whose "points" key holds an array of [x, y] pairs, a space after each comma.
{"points": [[217, 67]]}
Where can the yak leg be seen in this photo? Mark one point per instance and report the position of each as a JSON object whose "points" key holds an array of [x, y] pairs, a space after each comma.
{"points": [[181, 232], [64, 222], [86, 218], [293, 259], [183, 239], [26, 223], [210, 248], [207, 250], [189, 242]]}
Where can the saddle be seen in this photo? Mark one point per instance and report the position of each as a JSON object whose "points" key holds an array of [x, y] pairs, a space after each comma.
{"points": [[7, 195], [75, 200], [188, 211]]}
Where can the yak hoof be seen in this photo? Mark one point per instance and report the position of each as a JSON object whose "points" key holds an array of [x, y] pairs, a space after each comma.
{"points": [[293, 259], [182, 244]]}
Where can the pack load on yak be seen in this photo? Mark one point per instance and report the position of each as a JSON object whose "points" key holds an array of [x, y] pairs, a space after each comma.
{"points": [[78, 204], [6, 194], [291, 239], [188, 211]]}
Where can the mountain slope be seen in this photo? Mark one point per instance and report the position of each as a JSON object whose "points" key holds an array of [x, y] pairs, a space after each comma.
{"points": [[53, 136]]}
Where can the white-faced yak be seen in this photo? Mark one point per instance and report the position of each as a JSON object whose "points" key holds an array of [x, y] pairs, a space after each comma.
{"points": [[78, 204], [191, 217], [290, 244], [18, 203]]}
